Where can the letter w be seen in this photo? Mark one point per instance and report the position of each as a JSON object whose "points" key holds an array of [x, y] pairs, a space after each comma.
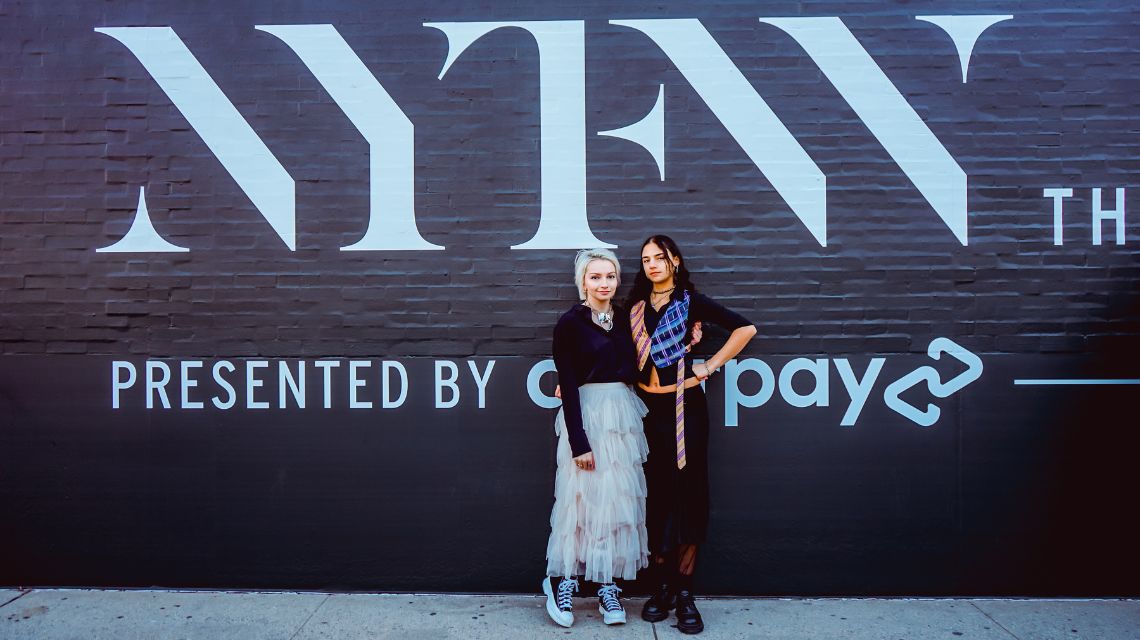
{"points": [[886, 113]]}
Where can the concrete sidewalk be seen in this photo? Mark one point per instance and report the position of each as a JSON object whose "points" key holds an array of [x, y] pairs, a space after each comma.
{"points": [[217, 615]]}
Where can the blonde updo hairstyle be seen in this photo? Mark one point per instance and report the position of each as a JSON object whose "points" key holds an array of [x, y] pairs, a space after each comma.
{"points": [[585, 257]]}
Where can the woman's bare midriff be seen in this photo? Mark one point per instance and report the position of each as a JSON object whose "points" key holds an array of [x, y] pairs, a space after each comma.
{"points": [[655, 386]]}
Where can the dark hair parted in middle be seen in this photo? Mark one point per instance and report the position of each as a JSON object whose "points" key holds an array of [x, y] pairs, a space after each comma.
{"points": [[641, 284]]}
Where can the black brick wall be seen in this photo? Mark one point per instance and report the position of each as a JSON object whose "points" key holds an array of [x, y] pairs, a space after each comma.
{"points": [[1052, 101]]}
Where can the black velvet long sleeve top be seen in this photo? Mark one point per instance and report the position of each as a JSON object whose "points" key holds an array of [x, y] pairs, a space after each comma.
{"points": [[584, 353], [702, 309]]}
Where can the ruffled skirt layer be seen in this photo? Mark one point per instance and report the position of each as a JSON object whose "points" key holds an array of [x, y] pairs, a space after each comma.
{"points": [[597, 526]]}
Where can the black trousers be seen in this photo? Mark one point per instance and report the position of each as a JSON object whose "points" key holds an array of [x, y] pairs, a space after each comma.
{"points": [[677, 504]]}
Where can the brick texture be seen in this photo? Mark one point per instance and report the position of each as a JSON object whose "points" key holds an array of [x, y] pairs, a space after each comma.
{"points": [[993, 500], [1051, 101]]}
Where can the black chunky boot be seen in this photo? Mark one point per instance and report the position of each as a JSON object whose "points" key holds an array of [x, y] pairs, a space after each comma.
{"points": [[688, 618], [659, 604]]}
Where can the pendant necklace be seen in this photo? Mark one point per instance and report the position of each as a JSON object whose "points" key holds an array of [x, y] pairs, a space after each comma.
{"points": [[604, 319]]}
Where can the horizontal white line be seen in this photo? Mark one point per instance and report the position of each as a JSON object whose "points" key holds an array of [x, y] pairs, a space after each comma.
{"points": [[1044, 381]]}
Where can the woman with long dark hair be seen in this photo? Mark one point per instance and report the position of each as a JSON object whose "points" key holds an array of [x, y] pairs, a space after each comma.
{"points": [[664, 305]]}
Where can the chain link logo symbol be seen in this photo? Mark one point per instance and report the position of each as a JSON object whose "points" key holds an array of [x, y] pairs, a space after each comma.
{"points": [[929, 375]]}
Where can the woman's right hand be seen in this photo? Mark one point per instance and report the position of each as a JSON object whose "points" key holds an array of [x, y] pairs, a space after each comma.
{"points": [[585, 461]]}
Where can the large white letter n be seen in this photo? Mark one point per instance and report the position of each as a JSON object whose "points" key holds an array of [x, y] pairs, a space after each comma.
{"points": [[228, 136]]}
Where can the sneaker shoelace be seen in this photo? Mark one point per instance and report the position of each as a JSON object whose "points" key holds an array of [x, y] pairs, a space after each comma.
{"points": [[608, 594], [566, 589]]}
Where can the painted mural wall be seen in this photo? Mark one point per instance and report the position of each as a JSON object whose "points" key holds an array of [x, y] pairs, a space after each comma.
{"points": [[278, 280]]}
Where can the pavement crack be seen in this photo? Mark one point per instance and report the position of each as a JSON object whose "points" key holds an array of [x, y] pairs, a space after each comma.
{"points": [[999, 625], [22, 594], [311, 614]]}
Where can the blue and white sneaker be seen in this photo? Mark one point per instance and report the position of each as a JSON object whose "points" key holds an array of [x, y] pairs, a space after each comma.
{"points": [[609, 604], [560, 599]]}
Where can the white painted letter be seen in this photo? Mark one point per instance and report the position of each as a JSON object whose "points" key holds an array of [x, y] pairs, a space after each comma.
{"points": [[1058, 194], [533, 389], [118, 385], [647, 133], [188, 383], [1099, 215], [285, 381], [964, 30], [886, 113], [157, 385], [327, 366], [142, 236], [562, 121], [481, 380], [820, 395], [859, 390], [386, 401], [252, 382], [441, 382], [733, 398], [388, 131], [230, 138], [231, 396], [746, 116], [354, 383]]}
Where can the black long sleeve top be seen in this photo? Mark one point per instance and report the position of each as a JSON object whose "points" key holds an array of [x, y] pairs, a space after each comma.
{"points": [[702, 309], [585, 352]]}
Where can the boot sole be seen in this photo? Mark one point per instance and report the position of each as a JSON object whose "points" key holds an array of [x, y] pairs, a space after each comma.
{"points": [[654, 618], [691, 630]]}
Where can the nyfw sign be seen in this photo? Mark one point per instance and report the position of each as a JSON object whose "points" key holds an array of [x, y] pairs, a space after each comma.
{"points": [[564, 224]]}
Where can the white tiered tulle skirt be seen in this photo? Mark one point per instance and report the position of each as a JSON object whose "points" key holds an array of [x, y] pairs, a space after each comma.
{"points": [[597, 526]]}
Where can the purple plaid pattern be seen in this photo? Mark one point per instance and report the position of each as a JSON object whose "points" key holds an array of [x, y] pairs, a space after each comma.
{"points": [[669, 337]]}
